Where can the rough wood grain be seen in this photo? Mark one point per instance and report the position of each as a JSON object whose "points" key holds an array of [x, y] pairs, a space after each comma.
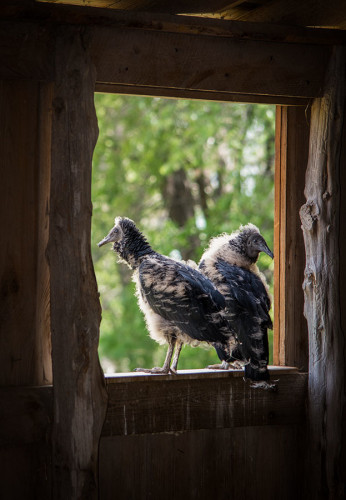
{"points": [[144, 405], [207, 63], [173, 59], [160, 20], [44, 373], [297, 13], [292, 146], [322, 224], [24, 274], [26, 415], [79, 392], [25, 442], [252, 463], [26, 50]]}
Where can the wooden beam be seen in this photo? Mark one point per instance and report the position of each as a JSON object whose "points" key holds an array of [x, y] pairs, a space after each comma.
{"points": [[177, 55], [322, 225], [54, 13], [201, 400], [286, 12], [79, 393], [290, 328], [295, 13], [184, 62]]}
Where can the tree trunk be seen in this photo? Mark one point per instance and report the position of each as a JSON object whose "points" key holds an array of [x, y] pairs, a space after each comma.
{"points": [[322, 287], [79, 390]]}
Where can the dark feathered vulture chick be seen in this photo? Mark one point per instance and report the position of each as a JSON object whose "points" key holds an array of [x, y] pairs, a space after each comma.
{"points": [[230, 263], [180, 304]]}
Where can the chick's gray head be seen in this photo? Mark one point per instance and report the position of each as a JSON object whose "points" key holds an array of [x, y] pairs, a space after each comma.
{"points": [[115, 235]]}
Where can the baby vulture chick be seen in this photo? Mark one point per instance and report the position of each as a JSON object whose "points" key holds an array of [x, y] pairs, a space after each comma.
{"points": [[180, 304], [230, 263]]}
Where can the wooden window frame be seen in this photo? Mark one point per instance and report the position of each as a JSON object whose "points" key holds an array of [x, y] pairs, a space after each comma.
{"points": [[290, 336]]}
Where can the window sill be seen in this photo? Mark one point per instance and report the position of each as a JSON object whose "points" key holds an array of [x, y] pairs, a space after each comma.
{"points": [[201, 399]]}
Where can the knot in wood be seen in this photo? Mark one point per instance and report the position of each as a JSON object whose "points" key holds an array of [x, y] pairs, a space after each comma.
{"points": [[309, 279], [326, 196], [309, 214]]}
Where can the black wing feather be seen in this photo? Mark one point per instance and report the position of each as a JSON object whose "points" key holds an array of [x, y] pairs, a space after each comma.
{"points": [[247, 299], [185, 297]]}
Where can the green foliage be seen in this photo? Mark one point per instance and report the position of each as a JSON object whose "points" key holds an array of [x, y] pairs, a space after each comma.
{"points": [[184, 171]]}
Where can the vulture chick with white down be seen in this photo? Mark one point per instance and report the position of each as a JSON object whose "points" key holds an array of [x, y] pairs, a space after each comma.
{"points": [[180, 304], [230, 263]]}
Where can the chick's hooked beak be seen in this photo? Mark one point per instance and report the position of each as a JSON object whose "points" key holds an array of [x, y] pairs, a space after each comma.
{"points": [[112, 237], [263, 247], [106, 239]]}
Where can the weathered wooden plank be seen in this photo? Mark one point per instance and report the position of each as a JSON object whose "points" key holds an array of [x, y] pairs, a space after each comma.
{"points": [[162, 20], [26, 415], [26, 51], [26, 472], [24, 352], [142, 405], [43, 349], [292, 145], [253, 463], [322, 225], [279, 232], [296, 351], [207, 63], [294, 12], [79, 392], [25, 442], [173, 59]]}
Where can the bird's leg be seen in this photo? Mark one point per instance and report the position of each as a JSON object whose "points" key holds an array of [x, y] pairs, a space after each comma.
{"points": [[178, 346], [166, 365]]}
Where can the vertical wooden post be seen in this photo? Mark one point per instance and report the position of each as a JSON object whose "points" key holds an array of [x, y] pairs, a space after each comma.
{"points": [[322, 223], [25, 357], [292, 146], [79, 390]]}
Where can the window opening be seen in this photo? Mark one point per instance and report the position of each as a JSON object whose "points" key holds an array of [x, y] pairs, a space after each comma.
{"points": [[184, 171]]}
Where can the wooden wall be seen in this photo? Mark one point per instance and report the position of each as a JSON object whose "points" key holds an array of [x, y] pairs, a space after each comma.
{"points": [[203, 435], [257, 463]]}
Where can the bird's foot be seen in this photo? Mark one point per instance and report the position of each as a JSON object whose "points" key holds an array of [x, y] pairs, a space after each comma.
{"points": [[263, 384], [157, 370], [219, 366]]}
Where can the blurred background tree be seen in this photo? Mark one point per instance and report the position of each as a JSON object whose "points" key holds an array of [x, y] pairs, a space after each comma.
{"points": [[184, 171]]}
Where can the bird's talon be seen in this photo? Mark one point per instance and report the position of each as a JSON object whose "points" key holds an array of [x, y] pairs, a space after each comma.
{"points": [[154, 371]]}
